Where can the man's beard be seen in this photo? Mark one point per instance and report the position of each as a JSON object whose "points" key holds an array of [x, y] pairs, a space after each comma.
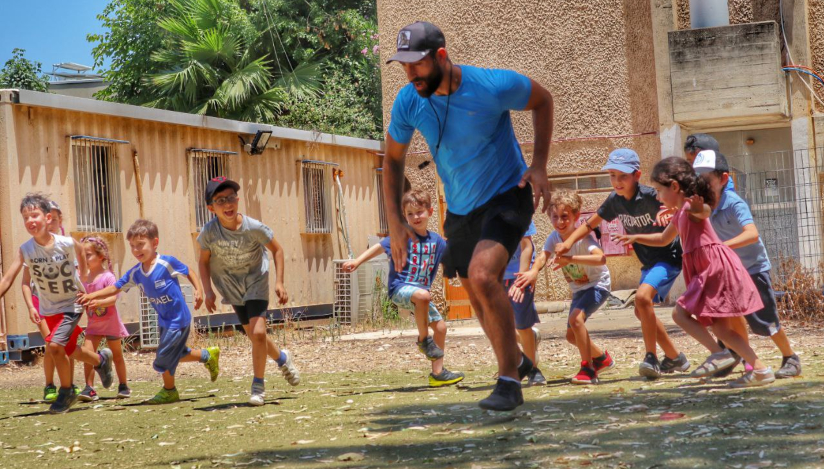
{"points": [[433, 81]]}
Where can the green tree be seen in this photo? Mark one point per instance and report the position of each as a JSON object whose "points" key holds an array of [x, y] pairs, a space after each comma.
{"points": [[21, 73]]}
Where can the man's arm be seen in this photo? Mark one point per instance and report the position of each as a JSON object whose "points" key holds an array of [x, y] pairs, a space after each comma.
{"points": [[399, 232], [542, 107]]}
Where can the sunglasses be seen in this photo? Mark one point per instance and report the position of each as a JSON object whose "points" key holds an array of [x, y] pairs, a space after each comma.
{"points": [[229, 199]]}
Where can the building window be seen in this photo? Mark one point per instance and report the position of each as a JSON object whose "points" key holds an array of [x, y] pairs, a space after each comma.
{"points": [[204, 166], [96, 183], [317, 195], [383, 224], [581, 182]]}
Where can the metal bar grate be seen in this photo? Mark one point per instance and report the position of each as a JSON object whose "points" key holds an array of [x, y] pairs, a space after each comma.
{"points": [[97, 185], [205, 165], [149, 331], [317, 196]]}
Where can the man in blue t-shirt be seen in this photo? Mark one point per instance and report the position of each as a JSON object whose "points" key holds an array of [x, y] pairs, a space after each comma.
{"points": [[463, 113]]}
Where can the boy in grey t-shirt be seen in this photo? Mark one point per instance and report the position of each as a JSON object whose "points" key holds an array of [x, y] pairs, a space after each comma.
{"points": [[233, 256]]}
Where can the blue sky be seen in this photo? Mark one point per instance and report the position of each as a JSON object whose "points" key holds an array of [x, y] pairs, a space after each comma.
{"points": [[51, 31]]}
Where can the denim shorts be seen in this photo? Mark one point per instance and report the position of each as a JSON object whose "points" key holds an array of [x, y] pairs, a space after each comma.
{"points": [[661, 276], [588, 301], [403, 298], [171, 349]]}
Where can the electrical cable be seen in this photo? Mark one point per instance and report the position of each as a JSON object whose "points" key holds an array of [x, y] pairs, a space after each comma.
{"points": [[789, 54]]}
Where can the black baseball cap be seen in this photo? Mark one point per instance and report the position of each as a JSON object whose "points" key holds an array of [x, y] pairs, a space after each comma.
{"points": [[216, 185], [698, 142], [416, 41]]}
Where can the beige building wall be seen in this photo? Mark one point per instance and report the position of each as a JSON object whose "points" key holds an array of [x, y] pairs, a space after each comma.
{"points": [[35, 155], [595, 58]]}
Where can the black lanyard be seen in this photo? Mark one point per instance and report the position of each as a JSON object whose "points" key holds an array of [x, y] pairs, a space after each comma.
{"points": [[441, 130]]}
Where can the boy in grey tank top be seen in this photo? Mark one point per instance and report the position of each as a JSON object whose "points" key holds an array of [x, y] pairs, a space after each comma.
{"points": [[58, 267]]}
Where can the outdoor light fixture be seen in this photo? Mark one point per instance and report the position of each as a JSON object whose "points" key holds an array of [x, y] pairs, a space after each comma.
{"points": [[258, 143]]}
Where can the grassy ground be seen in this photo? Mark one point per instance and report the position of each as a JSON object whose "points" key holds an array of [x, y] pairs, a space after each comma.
{"points": [[379, 414]]}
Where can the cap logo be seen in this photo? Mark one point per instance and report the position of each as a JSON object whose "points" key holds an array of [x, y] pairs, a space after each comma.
{"points": [[219, 179], [404, 37], [699, 159]]}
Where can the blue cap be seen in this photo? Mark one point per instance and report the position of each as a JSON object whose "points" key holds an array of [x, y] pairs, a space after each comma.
{"points": [[624, 160]]}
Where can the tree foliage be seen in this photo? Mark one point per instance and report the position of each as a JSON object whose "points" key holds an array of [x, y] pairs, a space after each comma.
{"points": [[22, 73]]}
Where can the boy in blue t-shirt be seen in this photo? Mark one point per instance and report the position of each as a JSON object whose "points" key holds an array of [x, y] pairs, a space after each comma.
{"points": [[157, 277], [409, 288]]}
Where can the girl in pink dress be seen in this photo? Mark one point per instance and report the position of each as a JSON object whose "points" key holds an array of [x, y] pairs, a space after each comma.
{"points": [[718, 286], [104, 320]]}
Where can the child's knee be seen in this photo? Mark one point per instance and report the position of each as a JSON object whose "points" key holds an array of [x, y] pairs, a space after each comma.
{"points": [[438, 327], [420, 296], [258, 337], [54, 349], [577, 318]]}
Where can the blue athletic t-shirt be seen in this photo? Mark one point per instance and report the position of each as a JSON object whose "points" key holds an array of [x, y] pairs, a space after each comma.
{"points": [[161, 287], [422, 259], [515, 262], [479, 156]]}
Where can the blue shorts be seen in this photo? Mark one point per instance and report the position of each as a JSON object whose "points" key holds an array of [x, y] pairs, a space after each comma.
{"points": [[661, 276], [588, 301], [403, 298], [526, 315], [171, 349]]}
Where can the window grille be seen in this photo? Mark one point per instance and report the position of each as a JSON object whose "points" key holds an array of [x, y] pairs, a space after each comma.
{"points": [[97, 184], [205, 165], [383, 224], [582, 182], [317, 195]]}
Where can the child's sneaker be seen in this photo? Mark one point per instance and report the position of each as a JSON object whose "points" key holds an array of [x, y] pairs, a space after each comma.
{"points": [[525, 367], [586, 375], [258, 394], [754, 378], [507, 395], [604, 363], [66, 398], [165, 396], [429, 348], [535, 377], [88, 394], [289, 370], [680, 364], [105, 368], [714, 363], [650, 368], [444, 378], [123, 391], [213, 363], [790, 367], [50, 393]]}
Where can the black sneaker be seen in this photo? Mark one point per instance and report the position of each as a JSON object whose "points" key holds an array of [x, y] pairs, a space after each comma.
{"points": [[680, 364], [506, 396], [123, 391], [105, 368], [649, 368], [65, 400], [429, 348], [790, 367], [525, 367], [88, 394], [535, 378]]}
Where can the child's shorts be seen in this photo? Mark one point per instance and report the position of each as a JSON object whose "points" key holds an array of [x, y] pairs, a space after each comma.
{"points": [[171, 349], [661, 276], [250, 309], [588, 301], [526, 315], [63, 330], [403, 298], [764, 322]]}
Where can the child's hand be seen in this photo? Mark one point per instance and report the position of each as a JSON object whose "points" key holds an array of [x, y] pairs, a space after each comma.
{"points": [[83, 299], [92, 306], [561, 249], [624, 239], [34, 316], [198, 299], [559, 262], [210, 301], [664, 216], [350, 266], [517, 294], [696, 203], [280, 291], [525, 279]]}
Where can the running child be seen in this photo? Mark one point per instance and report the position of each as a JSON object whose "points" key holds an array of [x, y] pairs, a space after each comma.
{"points": [[233, 256], [637, 206], [58, 267], [584, 268], [719, 289], [103, 319], [409, 288], [523, 303], [733, 222], [157, 277]]}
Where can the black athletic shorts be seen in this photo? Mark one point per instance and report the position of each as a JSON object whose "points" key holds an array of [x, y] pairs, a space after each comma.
{"points": [[250, 309], [764, 322], [503, 219]]}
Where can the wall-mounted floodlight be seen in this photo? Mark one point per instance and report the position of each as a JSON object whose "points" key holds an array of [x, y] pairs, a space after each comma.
{"points": [[258, 143]]}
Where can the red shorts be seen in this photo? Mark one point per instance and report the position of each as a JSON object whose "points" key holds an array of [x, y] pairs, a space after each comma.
{"points": [[57, 327]]}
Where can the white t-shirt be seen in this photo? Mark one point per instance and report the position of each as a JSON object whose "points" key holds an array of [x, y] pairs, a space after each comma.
{"points": [[580, 277], [54, 272]]}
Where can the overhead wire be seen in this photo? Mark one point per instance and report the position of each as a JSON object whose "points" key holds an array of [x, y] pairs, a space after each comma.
{"points": [[789, 54]]}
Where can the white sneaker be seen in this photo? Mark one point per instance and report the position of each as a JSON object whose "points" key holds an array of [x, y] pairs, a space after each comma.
{"points": [[257, 399], [289, 370]]}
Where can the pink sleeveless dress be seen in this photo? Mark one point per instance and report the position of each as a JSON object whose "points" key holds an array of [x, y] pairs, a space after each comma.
{"points": [[718, 285]]}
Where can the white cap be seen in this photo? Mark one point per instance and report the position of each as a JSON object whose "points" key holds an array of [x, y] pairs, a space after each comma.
{"points": [[705, 162]]}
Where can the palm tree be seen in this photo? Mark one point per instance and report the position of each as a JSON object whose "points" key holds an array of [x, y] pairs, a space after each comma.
{"points": [[211, 67]]}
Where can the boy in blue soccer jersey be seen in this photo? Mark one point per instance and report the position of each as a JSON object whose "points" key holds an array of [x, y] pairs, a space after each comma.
{"points": [[157, 277], [409, 288]]}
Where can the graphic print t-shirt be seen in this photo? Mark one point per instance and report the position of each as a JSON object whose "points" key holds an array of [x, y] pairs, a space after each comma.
{"points": [[162, 288], [422, 259], [638, 217], [54, 273]]}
